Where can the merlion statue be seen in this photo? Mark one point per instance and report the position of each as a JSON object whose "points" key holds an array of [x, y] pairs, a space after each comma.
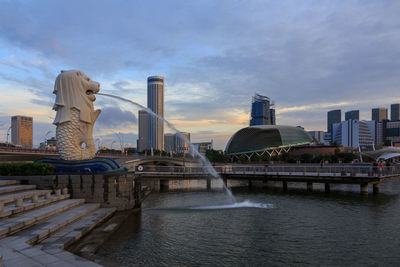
{"points": [[75, 116]]}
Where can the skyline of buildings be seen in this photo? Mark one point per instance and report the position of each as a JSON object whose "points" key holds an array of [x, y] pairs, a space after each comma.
{"points": [[384, 129], [354, 132]]}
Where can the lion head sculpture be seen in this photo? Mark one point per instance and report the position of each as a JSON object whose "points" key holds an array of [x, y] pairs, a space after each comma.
{"points": [[75, 94]]}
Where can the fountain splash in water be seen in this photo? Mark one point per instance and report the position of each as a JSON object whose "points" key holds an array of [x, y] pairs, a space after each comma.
{"points": [[206, 164], [237, 205]]}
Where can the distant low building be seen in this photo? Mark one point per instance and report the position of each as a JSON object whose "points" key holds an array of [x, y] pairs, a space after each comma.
{"points": [[50, 144], [327, 138], [202, 147], [177, 143]]}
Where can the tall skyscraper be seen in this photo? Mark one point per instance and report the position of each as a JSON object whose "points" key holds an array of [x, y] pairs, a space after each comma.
{"points": [[379, 114], [352, 115], [21, 131], [261, 111], [142, 141], [395, 112], [155, 102], [334, 116]]}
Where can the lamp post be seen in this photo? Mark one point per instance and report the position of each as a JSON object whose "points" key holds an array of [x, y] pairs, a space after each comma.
{"points": [[45, 138], [98, 140], [112, 144], [8, 134]]}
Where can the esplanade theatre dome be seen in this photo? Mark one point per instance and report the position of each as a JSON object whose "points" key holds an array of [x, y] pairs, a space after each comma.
{"points": [[266, 137]]}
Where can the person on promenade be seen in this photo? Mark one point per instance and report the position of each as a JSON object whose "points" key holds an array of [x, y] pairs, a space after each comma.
{"points": [[387, 165], [380, 168], [374, 168]]}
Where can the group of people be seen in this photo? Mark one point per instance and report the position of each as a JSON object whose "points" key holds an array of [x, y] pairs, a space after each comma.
{"points": [[378, 165]]}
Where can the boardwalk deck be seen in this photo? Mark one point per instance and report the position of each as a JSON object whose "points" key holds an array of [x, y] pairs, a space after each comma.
{"points": [[347, 174]]}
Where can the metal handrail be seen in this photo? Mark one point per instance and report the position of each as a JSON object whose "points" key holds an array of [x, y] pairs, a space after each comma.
{"points": [[305, 170]]}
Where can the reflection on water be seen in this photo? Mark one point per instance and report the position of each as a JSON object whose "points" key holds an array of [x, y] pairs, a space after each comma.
{"points": [[297, 228]]}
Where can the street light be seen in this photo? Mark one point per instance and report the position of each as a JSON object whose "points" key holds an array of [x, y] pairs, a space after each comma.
{"points": [[98, 140], [112, 144], [8, 133], [45, 139]]}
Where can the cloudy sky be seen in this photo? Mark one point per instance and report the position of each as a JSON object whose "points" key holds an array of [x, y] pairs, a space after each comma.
{"points": [[308, 56]]}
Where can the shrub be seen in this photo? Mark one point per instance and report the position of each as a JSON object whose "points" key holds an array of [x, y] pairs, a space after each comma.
{"points": [[25, 169]]}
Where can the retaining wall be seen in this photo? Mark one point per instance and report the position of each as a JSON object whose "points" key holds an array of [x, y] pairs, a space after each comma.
{"points": [[116, 190]]}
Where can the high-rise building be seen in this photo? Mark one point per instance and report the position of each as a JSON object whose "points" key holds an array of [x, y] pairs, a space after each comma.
{"points": [[182, 142], [354, 133], [262, 112], [169, 142], [352, 115], [388, 131], [272, 116], [379, 114], [334, 116], [178, 143], [142, 142], [21, 131], [155, 102], [317, 135], [395, 112]]}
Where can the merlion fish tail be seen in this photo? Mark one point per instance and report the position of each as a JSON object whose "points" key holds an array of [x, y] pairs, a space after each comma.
{"points": [[70, 138]]}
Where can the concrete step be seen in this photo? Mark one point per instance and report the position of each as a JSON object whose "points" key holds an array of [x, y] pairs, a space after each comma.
{"points": [[73, 232], [12, 197], [17, 223], [13, 209], [44, 229], [15, 188], [8, 182]]}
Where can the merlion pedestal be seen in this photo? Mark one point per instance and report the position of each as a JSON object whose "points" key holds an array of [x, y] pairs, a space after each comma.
{"points": [[75, 118]]}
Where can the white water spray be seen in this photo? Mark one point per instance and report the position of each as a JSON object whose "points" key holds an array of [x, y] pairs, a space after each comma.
{"points": [[206, 164]]}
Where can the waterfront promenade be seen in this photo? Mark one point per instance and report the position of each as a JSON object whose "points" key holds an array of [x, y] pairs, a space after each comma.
{"points": [[362, 175]]}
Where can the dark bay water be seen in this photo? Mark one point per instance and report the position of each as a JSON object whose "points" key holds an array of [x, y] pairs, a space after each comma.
{"points": [[340, 228]]}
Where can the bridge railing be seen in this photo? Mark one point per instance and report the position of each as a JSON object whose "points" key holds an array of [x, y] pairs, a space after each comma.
{"points": [[27, 150], [304, 170]]}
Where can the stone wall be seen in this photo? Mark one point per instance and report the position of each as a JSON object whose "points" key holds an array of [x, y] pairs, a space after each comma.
{"points": [[111, 190]]}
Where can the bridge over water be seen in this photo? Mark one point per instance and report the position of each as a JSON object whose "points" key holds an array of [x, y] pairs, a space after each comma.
{"points": [[363, 175]]}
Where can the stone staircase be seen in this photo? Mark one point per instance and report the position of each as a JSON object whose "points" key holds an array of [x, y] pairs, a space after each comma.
{"points": [[36, 226]]}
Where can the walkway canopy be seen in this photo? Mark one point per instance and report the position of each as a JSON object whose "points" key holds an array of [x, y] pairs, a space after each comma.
{"points": [[264, 138], [389, 156], [383, 153]]}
